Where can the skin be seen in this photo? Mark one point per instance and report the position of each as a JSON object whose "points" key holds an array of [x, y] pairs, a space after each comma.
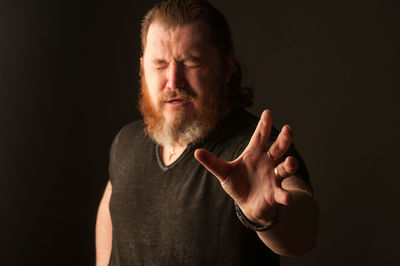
{"points": [[250, 180], [104, 229], [182, 57]]}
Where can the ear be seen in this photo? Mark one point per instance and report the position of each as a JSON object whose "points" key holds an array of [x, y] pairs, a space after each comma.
{"points": [[230, 66], [141, 67]]}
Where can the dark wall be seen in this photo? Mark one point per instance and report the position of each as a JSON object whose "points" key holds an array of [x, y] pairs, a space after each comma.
{"points": [[68, 82], [330, 69]]}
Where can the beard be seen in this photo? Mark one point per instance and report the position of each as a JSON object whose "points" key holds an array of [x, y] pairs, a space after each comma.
{"points": [[186, 127]]}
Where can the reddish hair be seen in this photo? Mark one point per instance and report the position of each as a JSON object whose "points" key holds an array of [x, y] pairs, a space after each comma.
{"points": [[173, 13]]}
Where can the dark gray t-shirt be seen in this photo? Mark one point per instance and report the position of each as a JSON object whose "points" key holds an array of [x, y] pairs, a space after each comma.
{"points": [[179, 214]]}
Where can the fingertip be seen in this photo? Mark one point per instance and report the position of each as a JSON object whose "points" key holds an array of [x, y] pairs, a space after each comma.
{"points": [[196, 154], [266, 112], [266, 118], [284, 197], [291, 164], [204, 156], [288, 130], [199, 154], [292, 161], [288, 200]]}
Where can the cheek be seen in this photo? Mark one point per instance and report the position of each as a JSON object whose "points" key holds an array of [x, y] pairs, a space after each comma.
{"points": [[201, 82], [209, 81], [154, 82]]}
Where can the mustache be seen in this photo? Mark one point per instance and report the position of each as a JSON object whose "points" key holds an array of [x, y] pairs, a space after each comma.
{"points": [[177, 93]]}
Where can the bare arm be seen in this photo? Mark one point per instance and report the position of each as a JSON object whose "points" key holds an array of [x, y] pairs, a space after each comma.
{"points": [[259, 183], [297, 229], [104, 229]]}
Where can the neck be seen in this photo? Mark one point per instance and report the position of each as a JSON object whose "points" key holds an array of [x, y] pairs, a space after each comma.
{"points": [[171, 152]]}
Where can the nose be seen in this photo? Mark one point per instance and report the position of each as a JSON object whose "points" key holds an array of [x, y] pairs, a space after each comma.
{"points": [[175, 76]]}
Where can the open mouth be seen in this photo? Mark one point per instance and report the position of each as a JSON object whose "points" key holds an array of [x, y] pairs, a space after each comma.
{"points": [[175, 100]]}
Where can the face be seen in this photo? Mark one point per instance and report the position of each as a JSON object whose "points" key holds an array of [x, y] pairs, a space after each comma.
{"points": [[183, 83]]}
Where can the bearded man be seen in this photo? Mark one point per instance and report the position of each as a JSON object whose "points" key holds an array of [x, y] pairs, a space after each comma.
{"points": [[200, 181]]}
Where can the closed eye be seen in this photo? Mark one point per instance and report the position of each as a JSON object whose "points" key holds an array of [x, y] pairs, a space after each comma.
{"points": [[192, 62], [161, 66], [193, 65], [159, 63]]}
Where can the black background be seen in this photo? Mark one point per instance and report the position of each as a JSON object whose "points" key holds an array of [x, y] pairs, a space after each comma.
{"points": [[68, 82]]}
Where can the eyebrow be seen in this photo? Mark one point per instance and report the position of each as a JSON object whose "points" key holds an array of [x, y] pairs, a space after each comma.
{"points": [[158, 61], [189, 58]]}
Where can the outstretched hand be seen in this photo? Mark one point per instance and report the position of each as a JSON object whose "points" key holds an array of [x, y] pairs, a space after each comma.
{"points": [[254, 179]]}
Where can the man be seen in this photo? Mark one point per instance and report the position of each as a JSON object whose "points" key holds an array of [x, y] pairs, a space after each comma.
{"points": [[163, 205]]}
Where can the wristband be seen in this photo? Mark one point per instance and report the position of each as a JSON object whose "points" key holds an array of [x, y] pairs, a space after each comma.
{"points": [[253, 227]]}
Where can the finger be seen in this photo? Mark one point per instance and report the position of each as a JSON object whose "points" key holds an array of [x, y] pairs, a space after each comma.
{"points": [[286, 168], [282, 143], [261, 134], [282, 196], [213, 164]]}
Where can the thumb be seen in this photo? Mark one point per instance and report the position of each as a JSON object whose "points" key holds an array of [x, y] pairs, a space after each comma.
{"points": [[216, 166]]}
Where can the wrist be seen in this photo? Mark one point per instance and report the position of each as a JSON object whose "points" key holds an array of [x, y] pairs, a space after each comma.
{"points": [[256, 226]]}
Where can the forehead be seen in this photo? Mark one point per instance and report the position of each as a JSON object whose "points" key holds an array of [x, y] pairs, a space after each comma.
{"points": [[176, 40]]}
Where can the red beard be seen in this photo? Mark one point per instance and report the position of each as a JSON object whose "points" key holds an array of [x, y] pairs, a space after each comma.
{"points": [[187, 127]]}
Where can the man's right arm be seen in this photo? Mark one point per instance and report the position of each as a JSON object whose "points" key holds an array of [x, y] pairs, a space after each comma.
{"points": [[104, 229]]}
